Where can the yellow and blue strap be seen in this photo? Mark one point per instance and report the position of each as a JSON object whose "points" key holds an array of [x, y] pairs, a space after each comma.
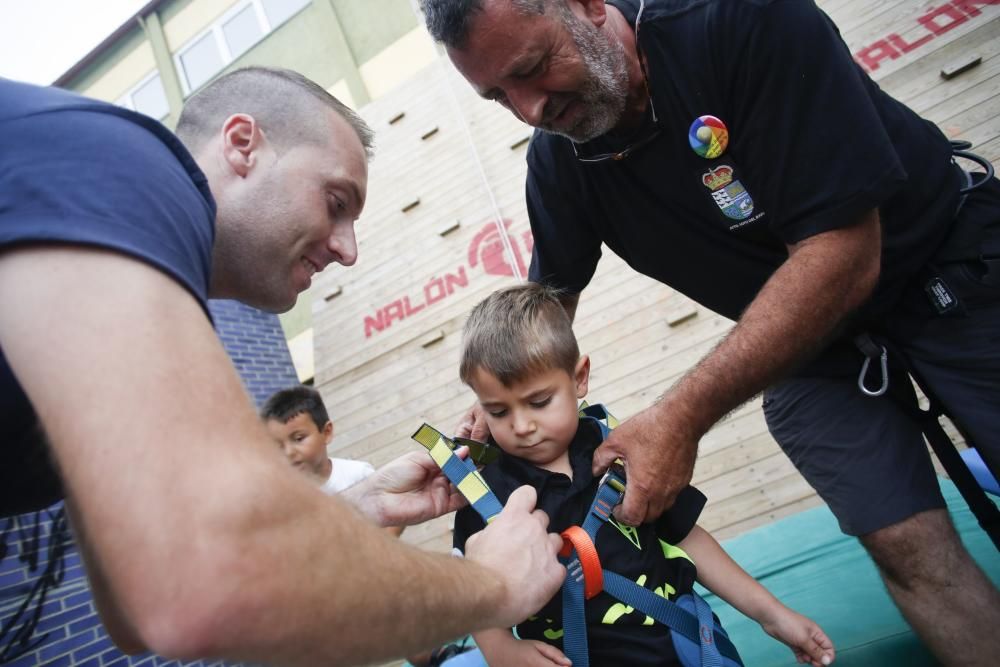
{"points": [[460, 472]]}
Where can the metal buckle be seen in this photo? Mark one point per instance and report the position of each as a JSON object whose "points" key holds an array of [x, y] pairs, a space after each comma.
{"points": [[884, 361]]}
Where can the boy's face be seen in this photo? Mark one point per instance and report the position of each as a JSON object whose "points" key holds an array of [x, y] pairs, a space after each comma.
{"points": [[303, 442], [534, 419]]}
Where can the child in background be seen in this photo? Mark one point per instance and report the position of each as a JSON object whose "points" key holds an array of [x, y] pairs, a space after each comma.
{"points": [[520, 357], [297, 419]]}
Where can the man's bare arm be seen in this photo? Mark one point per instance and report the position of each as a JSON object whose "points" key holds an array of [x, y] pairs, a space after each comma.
{"points": [[825, 278], [119, 628], [209, 544]]}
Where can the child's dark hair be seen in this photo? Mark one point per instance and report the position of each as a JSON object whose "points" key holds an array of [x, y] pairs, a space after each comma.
{"points": [[517, 332], [288, 403]]}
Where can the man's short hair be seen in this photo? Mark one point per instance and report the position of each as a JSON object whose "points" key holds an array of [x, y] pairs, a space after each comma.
{"points": [[283, 102], [288, 403], [518, 332], [448, 20]]}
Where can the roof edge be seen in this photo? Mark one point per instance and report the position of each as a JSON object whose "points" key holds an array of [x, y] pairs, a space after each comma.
{"points": [[109, 41]]}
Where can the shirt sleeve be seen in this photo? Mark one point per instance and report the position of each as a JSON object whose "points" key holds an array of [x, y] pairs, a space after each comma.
{"points": [[675, 524], [813, 146], [96, 178], [566, 247]]}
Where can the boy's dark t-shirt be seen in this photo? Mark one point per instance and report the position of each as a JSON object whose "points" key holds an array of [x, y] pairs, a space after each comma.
{"points": [[645, 554]]}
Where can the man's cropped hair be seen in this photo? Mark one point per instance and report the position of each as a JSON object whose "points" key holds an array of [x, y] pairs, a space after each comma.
{"points": [[283, 102], [448, 21]]}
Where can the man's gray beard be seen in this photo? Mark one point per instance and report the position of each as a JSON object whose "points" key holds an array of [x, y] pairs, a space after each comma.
{"points": [[606, 90]]}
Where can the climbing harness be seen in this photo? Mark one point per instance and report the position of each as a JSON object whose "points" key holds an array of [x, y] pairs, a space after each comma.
{"points": [[698, 639], [960, 245], [928, 420]]}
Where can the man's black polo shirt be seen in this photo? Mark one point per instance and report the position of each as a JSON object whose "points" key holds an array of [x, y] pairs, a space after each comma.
{"points": [[812, 144], [615, 637]]}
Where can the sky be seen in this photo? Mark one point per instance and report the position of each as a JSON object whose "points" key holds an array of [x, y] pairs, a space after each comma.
{"points": [[41, 39]]}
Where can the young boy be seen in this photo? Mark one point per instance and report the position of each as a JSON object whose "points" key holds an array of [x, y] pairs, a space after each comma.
{"points": [[520, 357], [297, 419]]}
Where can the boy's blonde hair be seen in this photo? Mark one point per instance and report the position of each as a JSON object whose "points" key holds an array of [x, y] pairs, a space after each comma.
{"points": [[517, 332]]}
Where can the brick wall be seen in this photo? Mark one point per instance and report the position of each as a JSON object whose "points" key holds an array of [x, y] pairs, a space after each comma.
{"points": [[47, 615], [256, 344]]}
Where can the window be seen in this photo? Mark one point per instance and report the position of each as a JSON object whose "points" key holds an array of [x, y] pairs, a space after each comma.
{"points": [[201, 61], [242, 31], [148, 98], [229, 37], [279, 11]]}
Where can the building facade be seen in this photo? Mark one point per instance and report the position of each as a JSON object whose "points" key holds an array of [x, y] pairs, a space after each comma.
{"points": [[446, 222], [359, 51]]}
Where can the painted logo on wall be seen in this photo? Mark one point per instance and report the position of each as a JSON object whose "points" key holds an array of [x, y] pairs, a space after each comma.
{"points": [[486, 253], [936, 21], [487, 249]]}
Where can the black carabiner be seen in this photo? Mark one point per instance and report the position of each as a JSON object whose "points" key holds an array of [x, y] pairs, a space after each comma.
{"points": [[960, 148]]}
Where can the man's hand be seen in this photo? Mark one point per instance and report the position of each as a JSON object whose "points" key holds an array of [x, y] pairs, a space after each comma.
{"points": [[517, 548], [826, 277], [473, 424], [659, 460], [406, 491]]}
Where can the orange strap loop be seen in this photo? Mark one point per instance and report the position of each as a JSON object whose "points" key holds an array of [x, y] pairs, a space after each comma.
{"points": [[577, 538]]}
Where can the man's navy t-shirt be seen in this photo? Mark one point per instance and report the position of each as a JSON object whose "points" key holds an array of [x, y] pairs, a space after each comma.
{"points": [[78, 171], [813, 143]]}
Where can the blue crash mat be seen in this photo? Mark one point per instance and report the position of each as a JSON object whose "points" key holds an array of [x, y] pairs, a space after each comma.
{"points": [[816, 570]]}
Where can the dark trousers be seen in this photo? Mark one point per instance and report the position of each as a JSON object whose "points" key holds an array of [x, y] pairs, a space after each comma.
{"points": [[865, 456]]}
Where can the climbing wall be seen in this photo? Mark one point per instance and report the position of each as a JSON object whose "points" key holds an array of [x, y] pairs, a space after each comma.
{"points": [[446, 224]]}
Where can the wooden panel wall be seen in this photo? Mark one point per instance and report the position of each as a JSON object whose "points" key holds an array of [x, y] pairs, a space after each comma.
{"points": [[448, 165]]}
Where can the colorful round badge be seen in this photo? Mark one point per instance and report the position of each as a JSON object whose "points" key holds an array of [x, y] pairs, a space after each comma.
{"points": [[708, 137]]}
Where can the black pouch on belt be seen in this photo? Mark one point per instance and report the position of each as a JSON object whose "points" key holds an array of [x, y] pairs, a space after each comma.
{"points": [[965, 271]]}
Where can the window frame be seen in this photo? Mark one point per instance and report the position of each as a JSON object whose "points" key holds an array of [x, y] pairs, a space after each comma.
{"points": [[127, 101], [219, 39]]}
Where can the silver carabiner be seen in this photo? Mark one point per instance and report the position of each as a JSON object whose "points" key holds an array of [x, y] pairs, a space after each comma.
{"points": [[884, 361]]}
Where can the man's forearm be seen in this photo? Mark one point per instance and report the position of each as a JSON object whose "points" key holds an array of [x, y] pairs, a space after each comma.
{"points": [[823, 281], [201, 540], [122, 633], [377, 587], [285, 589]]}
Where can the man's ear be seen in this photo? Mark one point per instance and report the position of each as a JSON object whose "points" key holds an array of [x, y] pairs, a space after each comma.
{"points": [[592, 11], [242, 140], [582, 376], [327, 432]]}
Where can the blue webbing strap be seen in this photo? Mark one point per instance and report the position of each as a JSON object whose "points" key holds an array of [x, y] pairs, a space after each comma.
{"points": [[707, 637], [574, 619], [674, 617], [574, 616], [698, 628], [600, 510]]}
